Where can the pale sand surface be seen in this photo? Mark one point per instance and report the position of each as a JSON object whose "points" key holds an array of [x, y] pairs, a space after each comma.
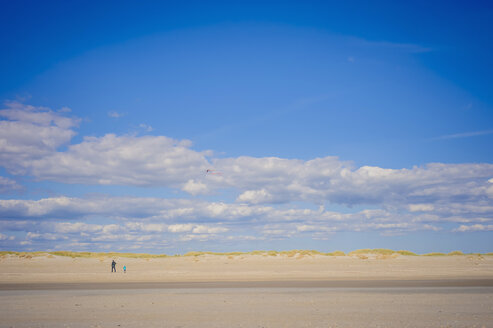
{"points": [[242, 268], [255, 307], [247, 291]]}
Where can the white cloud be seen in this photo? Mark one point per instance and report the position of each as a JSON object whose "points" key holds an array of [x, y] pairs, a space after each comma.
{"points": [[123, 160], [208, 230], [474, 227], [277, 232], [270, 192], [167, 215], [421, 207], [180, 227], [195, 188], [163, 222], [314, 228], [162, 161], [115, 207], [203, 237], [274, 180], [241, 238], [196, 229], [80, 227], [31, 133], [120, 234], [256, 196], [37, 116]]}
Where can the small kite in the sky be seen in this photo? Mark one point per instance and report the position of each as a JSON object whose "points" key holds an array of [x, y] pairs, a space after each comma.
{"points": [[212, 172]]}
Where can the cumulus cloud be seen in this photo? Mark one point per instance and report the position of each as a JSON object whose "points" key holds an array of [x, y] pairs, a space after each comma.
{"points": [[28, 133], [184, 216], [129, 232], [123, 160], [162, 221], [322, 180], [273, 197], [195, 188], [256, 196], [329, 180], [120, 207], [120, 235], [165, 162], [30, 138], [132, 227], [161, 211]]}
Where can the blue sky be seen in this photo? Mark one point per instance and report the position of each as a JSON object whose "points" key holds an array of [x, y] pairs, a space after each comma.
{"points": [[325, 125]]}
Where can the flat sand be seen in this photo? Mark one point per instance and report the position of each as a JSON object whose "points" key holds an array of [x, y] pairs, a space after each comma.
{"points": [[204, 268], [256, 307], [247, 291]]}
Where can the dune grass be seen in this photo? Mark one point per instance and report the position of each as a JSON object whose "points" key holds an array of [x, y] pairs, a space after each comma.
{"points": [[406, 253], [336, 253], [28, 255]]}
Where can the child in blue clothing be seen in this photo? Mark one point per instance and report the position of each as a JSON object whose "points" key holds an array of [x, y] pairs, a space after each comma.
{"points": [[124, 269]]}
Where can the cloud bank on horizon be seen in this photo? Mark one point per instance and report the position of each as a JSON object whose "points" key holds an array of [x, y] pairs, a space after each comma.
{"points": [[273, 198]]}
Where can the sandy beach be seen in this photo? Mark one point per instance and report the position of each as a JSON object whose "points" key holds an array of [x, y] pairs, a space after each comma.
{"points": [[62, 269], [247, 291]]}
